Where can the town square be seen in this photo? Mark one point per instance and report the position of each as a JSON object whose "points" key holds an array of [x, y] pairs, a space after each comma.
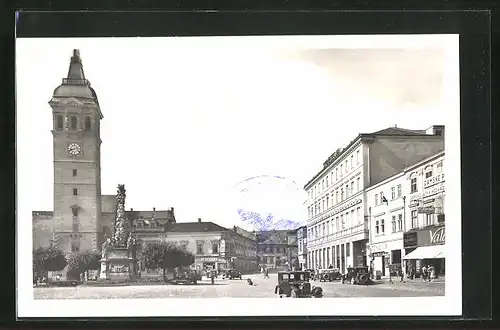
{"points": [[362, 216]]}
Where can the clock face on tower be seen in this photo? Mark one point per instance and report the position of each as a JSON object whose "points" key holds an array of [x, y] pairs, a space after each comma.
{"points": [[74, 149]]}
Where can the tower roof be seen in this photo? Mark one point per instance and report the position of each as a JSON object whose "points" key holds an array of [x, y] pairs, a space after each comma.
{"points": [[75, 84]]}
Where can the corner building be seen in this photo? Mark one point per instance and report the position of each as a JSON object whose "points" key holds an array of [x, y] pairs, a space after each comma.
{"points": [[337, 226]]}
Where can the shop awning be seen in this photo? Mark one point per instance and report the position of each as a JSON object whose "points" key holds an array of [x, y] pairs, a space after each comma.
{"points": [[426, 252]]}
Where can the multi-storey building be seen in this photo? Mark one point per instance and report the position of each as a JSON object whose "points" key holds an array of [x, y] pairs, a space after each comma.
{"points": [[214, 247], [386, 203], [425, 236], [302, 246], [276, 249], [338, 218], [405, 211]]}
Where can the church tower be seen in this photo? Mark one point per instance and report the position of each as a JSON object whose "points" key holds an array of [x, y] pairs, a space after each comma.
{"points": [[77, 161]]}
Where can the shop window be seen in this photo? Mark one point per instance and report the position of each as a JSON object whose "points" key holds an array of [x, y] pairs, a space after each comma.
{"points": [[414, 219], [400, 222], [413, 185], [399, 190], [393, 223]]}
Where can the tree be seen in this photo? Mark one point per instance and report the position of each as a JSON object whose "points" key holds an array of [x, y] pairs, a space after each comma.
{"points": [[82, 262], [166, 256], [48, 259]]}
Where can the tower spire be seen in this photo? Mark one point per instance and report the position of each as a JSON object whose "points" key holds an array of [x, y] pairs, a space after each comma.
{"points": [[75, 72]]}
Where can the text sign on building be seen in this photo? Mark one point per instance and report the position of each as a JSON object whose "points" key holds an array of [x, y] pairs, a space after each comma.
{"points": [[378, 247], [434, 190], [410, 239], [433, 180], [426, 209], [432, 236]]}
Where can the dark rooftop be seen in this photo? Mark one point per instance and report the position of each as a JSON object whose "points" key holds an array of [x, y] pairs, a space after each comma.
{"points": [[195, 227]]}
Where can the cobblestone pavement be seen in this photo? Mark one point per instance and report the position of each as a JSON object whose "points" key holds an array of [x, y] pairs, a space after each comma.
{"points": [[262, 288]]}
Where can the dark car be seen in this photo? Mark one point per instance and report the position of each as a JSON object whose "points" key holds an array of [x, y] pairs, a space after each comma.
{"points": [[296, 285], [187, 277], [232, 274], [329, 275], [357, 275]]}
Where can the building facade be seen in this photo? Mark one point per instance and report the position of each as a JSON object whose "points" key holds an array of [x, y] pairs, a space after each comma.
{"points": [[425, 237], [277, 249], [214, 247], [386, 203], [82, 216], [338, 228], [302, 247]]}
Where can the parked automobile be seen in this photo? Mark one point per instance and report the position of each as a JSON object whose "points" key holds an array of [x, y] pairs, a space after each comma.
{"points": [[357, 275], [329, 275], [295, 284], [232, 274], [311, 273], [187, 276]]}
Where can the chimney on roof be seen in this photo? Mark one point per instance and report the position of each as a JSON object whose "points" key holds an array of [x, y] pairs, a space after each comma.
{"points": [[172, 209], [199, 220], [131, 209], [154, 208]]}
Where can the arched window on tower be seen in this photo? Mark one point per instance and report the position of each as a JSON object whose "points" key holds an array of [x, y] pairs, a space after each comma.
{"points": [[60, 122], [73, 122], [87, 123]]}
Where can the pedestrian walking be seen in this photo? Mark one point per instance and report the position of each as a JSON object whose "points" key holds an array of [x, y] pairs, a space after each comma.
{"points": [[212, 277], [266, 273], [401, 275], [432, 273], [424, 273]]}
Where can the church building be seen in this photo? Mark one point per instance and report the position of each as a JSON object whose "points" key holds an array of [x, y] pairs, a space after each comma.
{"points": [[82, 216]]}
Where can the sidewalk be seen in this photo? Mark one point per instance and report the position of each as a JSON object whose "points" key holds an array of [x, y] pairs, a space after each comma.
{"points": [[436, 287]]}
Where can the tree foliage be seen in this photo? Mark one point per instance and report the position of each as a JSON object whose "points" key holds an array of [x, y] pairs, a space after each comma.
{"points": [[49, 259], [164, 255], [83, 261]]}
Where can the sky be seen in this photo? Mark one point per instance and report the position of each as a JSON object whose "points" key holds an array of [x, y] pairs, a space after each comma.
{"points": [[187, 121]]}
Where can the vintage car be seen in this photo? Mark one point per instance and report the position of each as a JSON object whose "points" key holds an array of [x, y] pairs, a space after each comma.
{"points": [[311, 273], [186, 276], [329, 275], [357, 275], [295, 284], [231, 274]]}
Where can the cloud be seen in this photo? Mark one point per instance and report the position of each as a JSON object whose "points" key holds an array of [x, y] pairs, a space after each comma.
{"points": [[399, 75]]}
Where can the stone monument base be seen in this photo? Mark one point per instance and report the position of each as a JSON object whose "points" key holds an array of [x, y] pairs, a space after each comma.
{"points": [[118, 266]]}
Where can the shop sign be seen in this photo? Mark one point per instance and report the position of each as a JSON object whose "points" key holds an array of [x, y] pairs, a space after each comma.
{"points": [[410, 239], [378, 247], [432, 236], [433, 180], [434, 190], [380, 254], [208, 259], [426, 209]]}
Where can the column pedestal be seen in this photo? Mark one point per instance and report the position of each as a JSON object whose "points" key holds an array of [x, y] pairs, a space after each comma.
{"points": [[118, 265]]}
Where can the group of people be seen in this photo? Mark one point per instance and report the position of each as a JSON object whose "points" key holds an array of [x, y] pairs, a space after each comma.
{"points": [[428, 273], [264, 272]]}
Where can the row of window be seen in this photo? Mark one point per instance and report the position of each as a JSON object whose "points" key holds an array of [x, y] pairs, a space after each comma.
{"points": [[396, 192], [271, 249], [397, 225], [428, 221], [341, 222], [334, 198], [340, 171], [73, 123], [199, 248]]}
